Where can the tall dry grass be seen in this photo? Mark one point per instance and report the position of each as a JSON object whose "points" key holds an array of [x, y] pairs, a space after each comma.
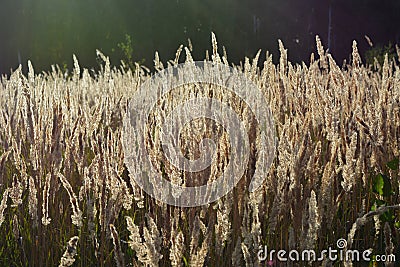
{"points": [[67, 197]]}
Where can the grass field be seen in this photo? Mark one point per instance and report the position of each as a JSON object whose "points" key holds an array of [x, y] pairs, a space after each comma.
{"points": [[67, 197]]}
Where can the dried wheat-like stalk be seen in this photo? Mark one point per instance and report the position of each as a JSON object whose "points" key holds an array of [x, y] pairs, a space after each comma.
{"points": [[194, 239], [45, 203], [3, 205], [153, 241], [389, 249], [247, 255], [68, 257], [15, 193], [198, 258], [16, 226], [355, 55], [118, 254], [76, 212], [223, 226], [177, 247], [157, 63], [237, 255], [313, 223], [135, 239], [321, 53], [33, 201], [215, 56], [369, 41], [145, 249]]}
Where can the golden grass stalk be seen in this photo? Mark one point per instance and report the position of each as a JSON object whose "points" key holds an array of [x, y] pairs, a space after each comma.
{"points": [[3, 205], [118, 254], [68, 257], [76, 212]]}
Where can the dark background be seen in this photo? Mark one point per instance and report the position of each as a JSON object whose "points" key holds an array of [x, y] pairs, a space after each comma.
{"points": [[50, 31]]}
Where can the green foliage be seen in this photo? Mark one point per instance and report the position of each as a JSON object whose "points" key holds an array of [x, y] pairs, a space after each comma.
{"points": [[382, 185], [393, 164], [383, 193], [379, 53], [126, 48]]}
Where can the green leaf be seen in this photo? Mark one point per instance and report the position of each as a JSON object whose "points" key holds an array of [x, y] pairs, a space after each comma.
{"points": [[382, 186], [185, 261], [377, 203], [393, 164], [387, 216]]}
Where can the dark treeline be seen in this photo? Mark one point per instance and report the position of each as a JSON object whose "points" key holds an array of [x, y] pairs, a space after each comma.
{"points": [[49, 32]]}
